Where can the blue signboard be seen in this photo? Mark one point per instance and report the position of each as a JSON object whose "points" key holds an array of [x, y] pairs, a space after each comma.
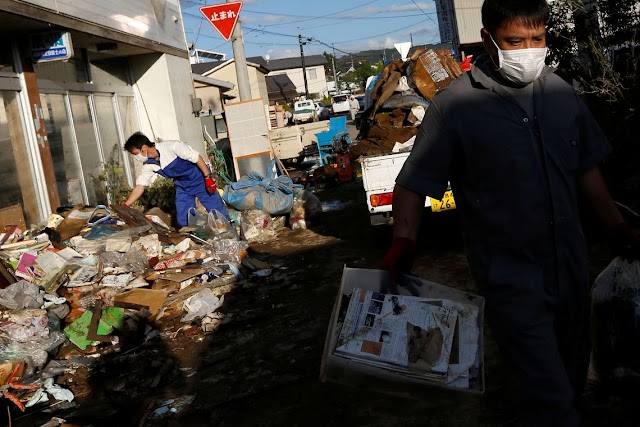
{"points": [[51, 46]]}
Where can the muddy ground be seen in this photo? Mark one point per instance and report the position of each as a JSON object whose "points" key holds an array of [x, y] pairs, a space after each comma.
{"points": [[262, 367]]}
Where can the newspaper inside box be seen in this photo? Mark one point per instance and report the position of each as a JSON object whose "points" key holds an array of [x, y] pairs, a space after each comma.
{"points": [[372, 340]]}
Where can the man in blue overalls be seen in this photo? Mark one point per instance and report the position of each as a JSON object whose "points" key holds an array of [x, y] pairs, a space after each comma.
{"points": [[183, 164], [518, 146]]}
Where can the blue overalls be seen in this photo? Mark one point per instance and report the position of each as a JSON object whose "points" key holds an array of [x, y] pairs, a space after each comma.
{"points": [[189, 184]]}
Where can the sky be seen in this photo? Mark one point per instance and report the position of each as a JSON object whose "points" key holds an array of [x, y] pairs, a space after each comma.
{"points": [[271, 27]]}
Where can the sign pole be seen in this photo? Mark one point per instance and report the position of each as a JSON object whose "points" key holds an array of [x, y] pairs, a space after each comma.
{"points": [[242, 73]]}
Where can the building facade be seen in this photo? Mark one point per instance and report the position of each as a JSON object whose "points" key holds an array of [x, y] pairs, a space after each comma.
{"points": [[292, 67], [226, 71], [77, 77]]}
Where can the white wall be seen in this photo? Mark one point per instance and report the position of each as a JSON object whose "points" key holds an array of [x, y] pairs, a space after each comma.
{"points": [[164, 89], [150, 19], [469, 19], [317, 85]]}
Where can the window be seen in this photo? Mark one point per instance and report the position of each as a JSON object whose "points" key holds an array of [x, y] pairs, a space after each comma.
{"points": [[312, 74]]}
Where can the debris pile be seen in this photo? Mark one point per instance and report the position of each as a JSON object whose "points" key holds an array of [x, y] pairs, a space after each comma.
{"points": [[92, 281], [399, 98]]}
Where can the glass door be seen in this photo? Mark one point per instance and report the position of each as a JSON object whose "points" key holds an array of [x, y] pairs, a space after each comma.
{"points": [[65, 158], [88, 150], [114, 173], [11, 141]]}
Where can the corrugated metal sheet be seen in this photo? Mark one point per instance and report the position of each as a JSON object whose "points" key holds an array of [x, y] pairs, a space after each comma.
{"points": [[469, 20], [149, 19]]}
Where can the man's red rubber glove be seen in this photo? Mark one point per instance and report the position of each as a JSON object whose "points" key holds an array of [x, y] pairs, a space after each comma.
{"points": [[625, 242], [399, 257], [210, 184]]}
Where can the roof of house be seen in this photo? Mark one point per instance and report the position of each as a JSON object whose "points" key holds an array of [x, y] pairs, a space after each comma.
{"points": [[281, 88], [295, 62], [205, 68]]}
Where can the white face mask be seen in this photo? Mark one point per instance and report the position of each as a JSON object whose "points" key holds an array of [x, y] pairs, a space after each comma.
{"points": [[521, 66], [139, 157]]}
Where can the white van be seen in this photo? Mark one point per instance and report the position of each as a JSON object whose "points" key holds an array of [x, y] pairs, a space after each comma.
{"points": [[340, 104]]}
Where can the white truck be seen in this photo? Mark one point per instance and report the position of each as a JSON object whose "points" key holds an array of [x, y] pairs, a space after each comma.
{"points": [[304, 111], [379, 175], [292, 144]]}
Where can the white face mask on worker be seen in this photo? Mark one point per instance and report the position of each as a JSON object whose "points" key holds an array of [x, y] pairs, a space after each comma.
{"points": [[139, 157], [521, 66]]}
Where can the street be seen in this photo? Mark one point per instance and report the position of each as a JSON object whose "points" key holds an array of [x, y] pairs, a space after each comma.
{"points": [[262, 367]]}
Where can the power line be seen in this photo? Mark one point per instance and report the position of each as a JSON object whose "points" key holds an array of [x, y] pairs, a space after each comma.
{"points": [[425, 13], [351, 18]]}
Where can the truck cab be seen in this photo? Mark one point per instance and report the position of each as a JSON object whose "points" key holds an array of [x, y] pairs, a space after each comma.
{"points": [[304, 111]]}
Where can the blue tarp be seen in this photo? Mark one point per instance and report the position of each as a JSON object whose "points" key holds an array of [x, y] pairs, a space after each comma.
{"points": [[273, 194]]}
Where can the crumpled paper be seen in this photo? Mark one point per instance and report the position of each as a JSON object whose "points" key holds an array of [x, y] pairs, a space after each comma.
{"points": [[21, 294], [49, 388], [201, 304]]}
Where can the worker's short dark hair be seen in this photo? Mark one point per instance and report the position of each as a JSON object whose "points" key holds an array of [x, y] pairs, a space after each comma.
{"points": [[531, 13], [137, 140]]}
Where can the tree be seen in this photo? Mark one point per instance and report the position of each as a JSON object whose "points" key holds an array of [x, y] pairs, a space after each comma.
{"points": [[360, 75], [594, 44]]}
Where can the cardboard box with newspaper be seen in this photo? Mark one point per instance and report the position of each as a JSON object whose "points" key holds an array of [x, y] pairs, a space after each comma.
{"points": [[399, 343]]}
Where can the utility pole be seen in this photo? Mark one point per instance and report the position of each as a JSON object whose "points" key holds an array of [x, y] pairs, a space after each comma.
{"points": [[335, 75], [304, 68], [242, 73]]}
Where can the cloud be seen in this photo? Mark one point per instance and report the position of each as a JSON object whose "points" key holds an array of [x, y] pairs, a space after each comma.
{"points": [[282, 53]]}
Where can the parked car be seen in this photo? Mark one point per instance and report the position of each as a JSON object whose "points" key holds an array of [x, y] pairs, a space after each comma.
{"points": [[323, 112], [304, 111], [340, 104]]}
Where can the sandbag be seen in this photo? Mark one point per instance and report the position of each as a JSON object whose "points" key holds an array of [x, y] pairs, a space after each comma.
{"points": [[272, 194]]}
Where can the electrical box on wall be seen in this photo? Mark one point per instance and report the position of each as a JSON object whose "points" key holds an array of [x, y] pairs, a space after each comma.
{"points": [[196, 105]]}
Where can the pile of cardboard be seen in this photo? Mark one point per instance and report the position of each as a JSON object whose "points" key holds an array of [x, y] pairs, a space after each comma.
{"points": [[400, 97]]}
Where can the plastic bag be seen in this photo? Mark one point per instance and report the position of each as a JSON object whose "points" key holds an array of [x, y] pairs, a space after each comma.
{"points": [[230, 250], [615, 319], [305, 206], [27, 325], [21, 295], [201, 304], [133, 261], [196, 219], [256, 226], [220, 226]]}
